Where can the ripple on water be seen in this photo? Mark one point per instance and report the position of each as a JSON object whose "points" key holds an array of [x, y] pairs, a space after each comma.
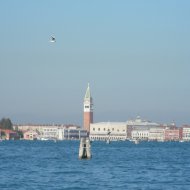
{"points": [[119, 165]]}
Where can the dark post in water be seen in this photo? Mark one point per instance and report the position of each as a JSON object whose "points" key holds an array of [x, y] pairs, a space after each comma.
{"points": [[84, 149]]}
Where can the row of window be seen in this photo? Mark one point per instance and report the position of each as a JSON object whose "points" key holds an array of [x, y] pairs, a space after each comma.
{"points": [[50, 129], [104, 129], [111, 138], [140, 134], [186, 135]]}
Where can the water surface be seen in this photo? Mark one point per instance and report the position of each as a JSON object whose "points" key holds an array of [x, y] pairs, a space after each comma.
{"points": [[46, 165]]}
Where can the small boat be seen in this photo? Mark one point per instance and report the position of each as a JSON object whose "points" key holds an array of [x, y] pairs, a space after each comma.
{"points": [[44, 139]]}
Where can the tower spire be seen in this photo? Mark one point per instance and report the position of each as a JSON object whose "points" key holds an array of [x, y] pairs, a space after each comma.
{"points": [[87, 95]]}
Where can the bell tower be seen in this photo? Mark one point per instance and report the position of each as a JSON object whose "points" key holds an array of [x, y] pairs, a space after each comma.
{"points": [[88, 110]]}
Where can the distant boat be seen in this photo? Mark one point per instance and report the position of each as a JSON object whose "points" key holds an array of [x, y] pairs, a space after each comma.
{"points": [[44, 139]]}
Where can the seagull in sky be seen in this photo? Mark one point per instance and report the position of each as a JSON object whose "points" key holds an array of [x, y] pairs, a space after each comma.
{"points": [[52, 39]]}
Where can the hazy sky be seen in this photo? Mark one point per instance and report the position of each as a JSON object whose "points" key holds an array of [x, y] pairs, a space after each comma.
{"points": [[135, 55]]}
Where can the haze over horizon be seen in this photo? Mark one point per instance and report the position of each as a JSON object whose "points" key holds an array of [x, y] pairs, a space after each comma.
{"points": [[134, 54]]}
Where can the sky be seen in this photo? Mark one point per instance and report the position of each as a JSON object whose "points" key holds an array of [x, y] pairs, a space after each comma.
{"points": [[134, 53]]}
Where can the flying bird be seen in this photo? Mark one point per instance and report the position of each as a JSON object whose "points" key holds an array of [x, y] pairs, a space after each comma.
{"points": [[52, 39]]}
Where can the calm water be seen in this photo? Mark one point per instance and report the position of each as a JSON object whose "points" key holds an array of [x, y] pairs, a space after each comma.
{"points": [[47, 165]]}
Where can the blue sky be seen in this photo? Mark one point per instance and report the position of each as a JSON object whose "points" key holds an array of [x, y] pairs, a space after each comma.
{"points": [[135, 55]]}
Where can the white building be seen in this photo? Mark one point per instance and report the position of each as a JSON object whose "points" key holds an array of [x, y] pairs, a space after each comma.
{"points": [[138, 122], [27, 127], [112, 130], [71, 133], [40, 128], [30, 135], [140, 134], [186, 133], [49, 132], [156, 134], [140, 125]]}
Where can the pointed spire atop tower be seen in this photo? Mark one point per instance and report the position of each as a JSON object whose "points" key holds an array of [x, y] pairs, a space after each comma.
{"points": [[87, 95]]}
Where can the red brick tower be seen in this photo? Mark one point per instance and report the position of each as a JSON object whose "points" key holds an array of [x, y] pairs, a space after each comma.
{"points": [[88, 110]]}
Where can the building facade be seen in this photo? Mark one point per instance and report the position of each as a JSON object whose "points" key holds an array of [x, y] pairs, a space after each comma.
{"points": [[49, 133], [71, 133], [185, 132], [140, 134], [88, 110], [171, 134], [140, 127], [156, 134], [31, 127], [8, 134], [113, 131], [30, 135]]}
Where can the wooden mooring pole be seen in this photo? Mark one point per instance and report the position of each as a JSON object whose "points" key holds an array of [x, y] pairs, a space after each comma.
{"points": [[84, 149]]}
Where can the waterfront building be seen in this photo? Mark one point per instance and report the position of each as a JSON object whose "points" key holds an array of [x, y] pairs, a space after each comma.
{"points": [[185, 132], [49, 133], [108, 130], [8, 134], [71, 133], [26, 127], [30, 135], [88, 110], [139, 124], [171, 134], [141, 134], [43, 131], [34, 127], [156, 134]]}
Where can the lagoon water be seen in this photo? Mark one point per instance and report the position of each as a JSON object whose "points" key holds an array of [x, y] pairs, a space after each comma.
{"points": [[46, 165]]}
